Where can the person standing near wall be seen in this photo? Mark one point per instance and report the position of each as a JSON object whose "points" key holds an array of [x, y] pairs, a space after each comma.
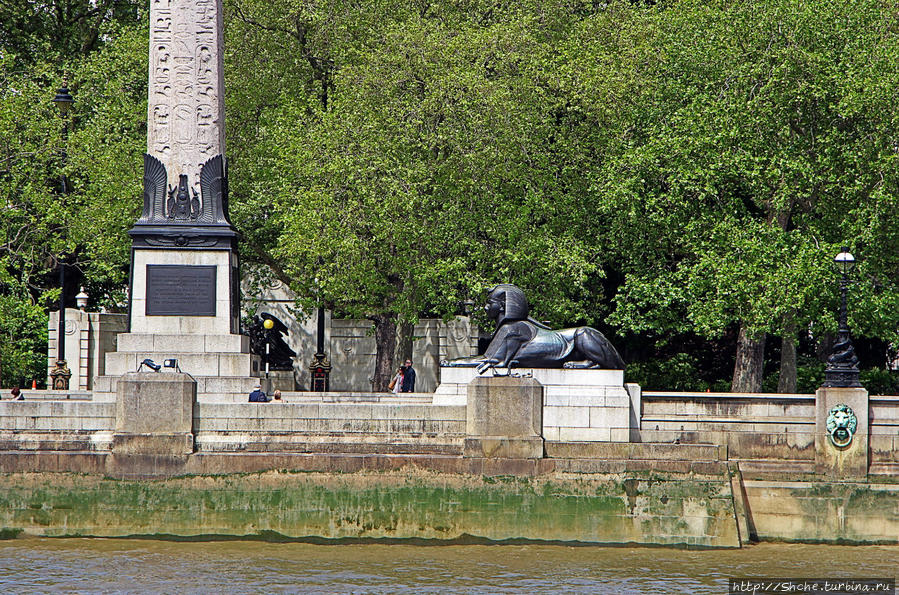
{"points": [[408, 377], [396, 385]]}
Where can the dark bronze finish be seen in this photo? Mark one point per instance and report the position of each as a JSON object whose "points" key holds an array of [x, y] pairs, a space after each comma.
{"points": [[321, 364], [180, 290], [521, 341], [178, 217], [181, 205], [842, 365]]}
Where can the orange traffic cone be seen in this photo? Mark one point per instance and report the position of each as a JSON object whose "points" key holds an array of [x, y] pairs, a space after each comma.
{"points": [[33, 384]]}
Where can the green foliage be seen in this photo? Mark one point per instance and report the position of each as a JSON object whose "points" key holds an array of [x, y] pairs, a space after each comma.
{"points": [[677, 373], [879, 381], [750, 158], [682, 168], [23, 339]]}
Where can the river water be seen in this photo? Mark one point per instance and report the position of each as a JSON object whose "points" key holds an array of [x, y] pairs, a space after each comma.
{"points": [[36, 565]]}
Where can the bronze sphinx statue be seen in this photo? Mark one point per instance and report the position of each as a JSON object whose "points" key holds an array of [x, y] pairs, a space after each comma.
{"points": [[520, 341]]}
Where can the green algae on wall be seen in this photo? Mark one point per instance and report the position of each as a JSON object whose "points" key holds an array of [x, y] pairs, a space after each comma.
{"points": [[395, 505]]}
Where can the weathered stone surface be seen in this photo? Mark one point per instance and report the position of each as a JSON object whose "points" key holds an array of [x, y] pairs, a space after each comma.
{"points": [[610, 451], [175, 443], [824, 511], [503, 406], [186, 107], [373, 499], [151, 402], [850, 462], [154, 413], [504, 447]]}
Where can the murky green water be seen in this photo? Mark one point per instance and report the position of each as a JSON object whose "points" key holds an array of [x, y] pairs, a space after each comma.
{"points": [[33, 565]]}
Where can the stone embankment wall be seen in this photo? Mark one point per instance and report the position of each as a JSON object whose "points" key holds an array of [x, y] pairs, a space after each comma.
{"points": [[711, 470], [400, 504], [318, 422], [759, 428]]}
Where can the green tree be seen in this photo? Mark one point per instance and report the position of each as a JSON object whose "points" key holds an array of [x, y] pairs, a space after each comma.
{"points": [[746, 157], [431, 172], [62, 182]]}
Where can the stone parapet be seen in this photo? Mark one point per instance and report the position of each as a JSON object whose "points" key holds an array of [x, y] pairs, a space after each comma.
{"points": [[329, 426], [752, 426], [589, 405], [70, 416]]}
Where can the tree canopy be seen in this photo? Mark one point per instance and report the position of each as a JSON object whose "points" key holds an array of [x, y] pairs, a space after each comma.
{"points": [[676, 173]]}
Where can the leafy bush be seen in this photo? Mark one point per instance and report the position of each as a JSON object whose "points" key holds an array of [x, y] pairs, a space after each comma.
{"points": [[23, 341], [679, 372], [879, 381]]}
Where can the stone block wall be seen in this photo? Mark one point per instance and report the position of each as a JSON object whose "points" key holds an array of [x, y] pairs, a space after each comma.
{"points": [[823, 512], [578, 405], [56, 425], [883, 434], [423, 504], [752, 426], [353, 351], [89, 336], [341, 426], [350, 343]]}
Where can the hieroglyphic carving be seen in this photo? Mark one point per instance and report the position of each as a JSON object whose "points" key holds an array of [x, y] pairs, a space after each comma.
{"points": [[186, 101]]}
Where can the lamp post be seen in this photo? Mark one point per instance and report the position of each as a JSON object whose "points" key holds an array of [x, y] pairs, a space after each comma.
{"points": [[321, 363], [268, 324], [61, 374], [842, 365]]}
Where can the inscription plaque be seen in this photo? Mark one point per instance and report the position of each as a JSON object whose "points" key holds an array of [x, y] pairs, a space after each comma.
{"points": [[180, 290]]}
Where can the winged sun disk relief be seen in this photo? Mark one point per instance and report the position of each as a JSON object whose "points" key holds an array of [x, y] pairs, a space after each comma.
{"points": [[213, 207]]}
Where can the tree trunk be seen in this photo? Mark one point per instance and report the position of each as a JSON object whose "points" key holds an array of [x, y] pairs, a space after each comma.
{"points": [[786, 382], [404, 338], [824, 346], [750, 362], [385, 344]]}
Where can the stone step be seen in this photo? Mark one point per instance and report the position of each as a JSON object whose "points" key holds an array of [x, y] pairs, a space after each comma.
{"points": [[228, 389], [195, 364], [144, 342]]}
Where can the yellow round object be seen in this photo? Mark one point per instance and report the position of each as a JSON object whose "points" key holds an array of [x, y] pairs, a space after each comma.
{"points": [[269, 323]]}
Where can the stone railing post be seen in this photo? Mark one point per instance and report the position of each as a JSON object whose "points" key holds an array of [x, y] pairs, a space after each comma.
{"points": [[154, 413], [504, 418], [841, 432]]}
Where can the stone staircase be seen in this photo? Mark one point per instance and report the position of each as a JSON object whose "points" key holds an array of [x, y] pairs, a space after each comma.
{"points": [[222, 365]]}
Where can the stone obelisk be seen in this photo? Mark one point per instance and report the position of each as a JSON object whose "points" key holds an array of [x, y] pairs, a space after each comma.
{"points": [[184, 266], [184, 300]]}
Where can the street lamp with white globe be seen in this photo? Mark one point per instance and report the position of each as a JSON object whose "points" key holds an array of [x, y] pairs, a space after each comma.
{"points": [[842, 365]]}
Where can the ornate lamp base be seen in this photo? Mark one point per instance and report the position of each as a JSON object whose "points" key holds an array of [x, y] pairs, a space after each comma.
{"points": [[60, 375], [841, 377], [321, 372]]}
